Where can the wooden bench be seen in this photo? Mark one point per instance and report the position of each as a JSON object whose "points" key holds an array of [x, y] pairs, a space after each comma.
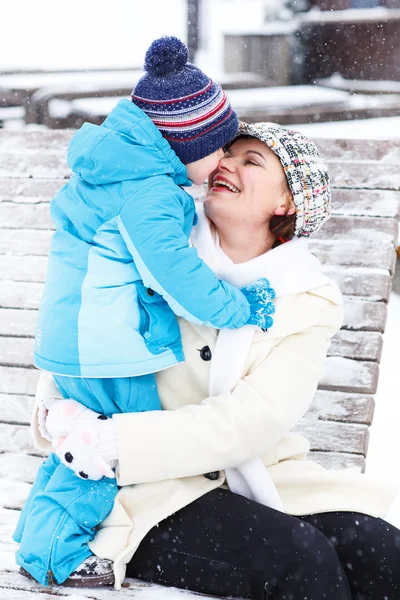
{"points": [[357, 248]]}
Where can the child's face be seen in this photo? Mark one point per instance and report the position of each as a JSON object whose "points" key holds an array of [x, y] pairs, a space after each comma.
{"points": [[199, 171]]}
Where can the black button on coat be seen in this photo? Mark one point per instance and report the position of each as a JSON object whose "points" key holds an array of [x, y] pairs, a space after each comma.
{"points": [[205, 353], [213, 476], [150, 292]]}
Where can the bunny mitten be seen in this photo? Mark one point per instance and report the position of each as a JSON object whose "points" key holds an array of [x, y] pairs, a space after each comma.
{"points": [[85, 441]]}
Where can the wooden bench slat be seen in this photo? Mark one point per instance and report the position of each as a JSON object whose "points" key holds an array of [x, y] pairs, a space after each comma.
{"points": [[372, 284], [339, 460], [25, 242], [337, 437], [349, 150], [16, 408], [17, 380], [28, 268], [344, 407], [25, 216], [28, 191], [14, 322], [364, 174], [362, 345], [374, 203], [375, 254], [360, 315], [347, 375], [15, 351], [339, 227], [19, 467]]}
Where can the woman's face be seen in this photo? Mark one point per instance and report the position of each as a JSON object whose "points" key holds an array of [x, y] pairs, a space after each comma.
{"points": [[248, 186]]}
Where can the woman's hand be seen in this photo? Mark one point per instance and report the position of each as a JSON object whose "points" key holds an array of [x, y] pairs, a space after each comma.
{"points": [[85, 441], [259, 294]]}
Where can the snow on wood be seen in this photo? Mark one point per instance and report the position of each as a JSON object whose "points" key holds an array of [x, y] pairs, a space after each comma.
{"points": [[16, 408], [338, 406], [17, 323], [28, 268], [377, 203], [339, 460], [25, 216], [364, 175], [372, 284], [25, 242], [347, 375], [362, 345], [19, 467], [337, 437], [15, 294], [364, 316], [346, 253], [16, 351], [15, 380], [28, 190]]}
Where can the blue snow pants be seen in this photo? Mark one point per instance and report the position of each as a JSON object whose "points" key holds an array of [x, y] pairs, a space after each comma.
{"points": [[62, 510]]}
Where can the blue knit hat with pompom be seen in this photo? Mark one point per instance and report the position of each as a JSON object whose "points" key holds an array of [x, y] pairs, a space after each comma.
{"points": [[191, 111]]}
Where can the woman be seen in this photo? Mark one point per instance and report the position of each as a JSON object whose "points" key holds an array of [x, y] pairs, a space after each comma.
{"points": [[236, 399]]}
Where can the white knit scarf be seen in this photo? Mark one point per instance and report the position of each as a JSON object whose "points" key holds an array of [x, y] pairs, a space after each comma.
{"points": [[290, 269]]}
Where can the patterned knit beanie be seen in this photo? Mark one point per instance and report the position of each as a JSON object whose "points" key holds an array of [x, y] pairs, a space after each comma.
{"points": [[191, 111], [305, 172]]}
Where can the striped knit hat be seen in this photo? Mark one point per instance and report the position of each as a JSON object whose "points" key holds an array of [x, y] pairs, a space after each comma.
{"points": [[306, 174], [191, 111]]}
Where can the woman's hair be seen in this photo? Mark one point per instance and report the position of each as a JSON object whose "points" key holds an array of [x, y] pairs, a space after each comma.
{"points": [[281, 226]]}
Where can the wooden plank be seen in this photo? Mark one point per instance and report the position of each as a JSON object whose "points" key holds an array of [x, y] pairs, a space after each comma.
{"points": [[362, 345], [35, 164], [17, 323], [39, 141], [387, 151], [327, 436], [25, 216], [28, 191], [16, 408], [19, 467], [25, 242], [371, 203], [353, 253], [17, 439], [364, 316], [359, 345], [342, 407], [360, 228], [347, 375], [339, 460], [15, 380], [16, 294], [364, 174], [372, 284], [27, 268], [16, 351]]}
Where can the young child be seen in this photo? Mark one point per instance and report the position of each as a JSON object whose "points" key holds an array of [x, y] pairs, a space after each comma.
{"points": [[120, 269]]}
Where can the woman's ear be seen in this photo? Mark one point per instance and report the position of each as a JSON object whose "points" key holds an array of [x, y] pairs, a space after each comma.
{"points": [[282, 209]]}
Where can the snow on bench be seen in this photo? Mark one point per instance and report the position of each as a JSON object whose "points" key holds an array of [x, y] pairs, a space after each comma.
{"points": [[356, 247]]}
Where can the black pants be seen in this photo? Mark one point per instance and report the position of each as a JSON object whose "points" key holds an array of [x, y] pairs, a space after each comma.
{"points": [[225, 545]]}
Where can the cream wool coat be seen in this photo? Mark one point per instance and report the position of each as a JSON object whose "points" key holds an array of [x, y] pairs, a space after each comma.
{"points": [[164, 454]]}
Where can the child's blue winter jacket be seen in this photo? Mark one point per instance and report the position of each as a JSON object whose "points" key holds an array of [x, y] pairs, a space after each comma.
{"points": [[120, 265]]}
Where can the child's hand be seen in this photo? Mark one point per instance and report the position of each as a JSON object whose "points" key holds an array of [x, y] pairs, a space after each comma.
{"points": [[57, 416], [259, 295]]}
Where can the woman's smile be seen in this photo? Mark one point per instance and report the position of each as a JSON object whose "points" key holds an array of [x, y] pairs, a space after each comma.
{"points": [[222, 184]]}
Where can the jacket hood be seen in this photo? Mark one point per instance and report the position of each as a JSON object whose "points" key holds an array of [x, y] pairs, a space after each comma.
{"points": [[127, 146]]}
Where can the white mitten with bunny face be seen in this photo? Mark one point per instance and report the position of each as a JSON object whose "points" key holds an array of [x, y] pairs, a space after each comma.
{"points": [[79, 450], [84, 440]]}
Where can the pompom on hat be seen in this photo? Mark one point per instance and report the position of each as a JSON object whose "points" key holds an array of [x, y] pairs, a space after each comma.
{"points": [[191, 111], [306, 174]]}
